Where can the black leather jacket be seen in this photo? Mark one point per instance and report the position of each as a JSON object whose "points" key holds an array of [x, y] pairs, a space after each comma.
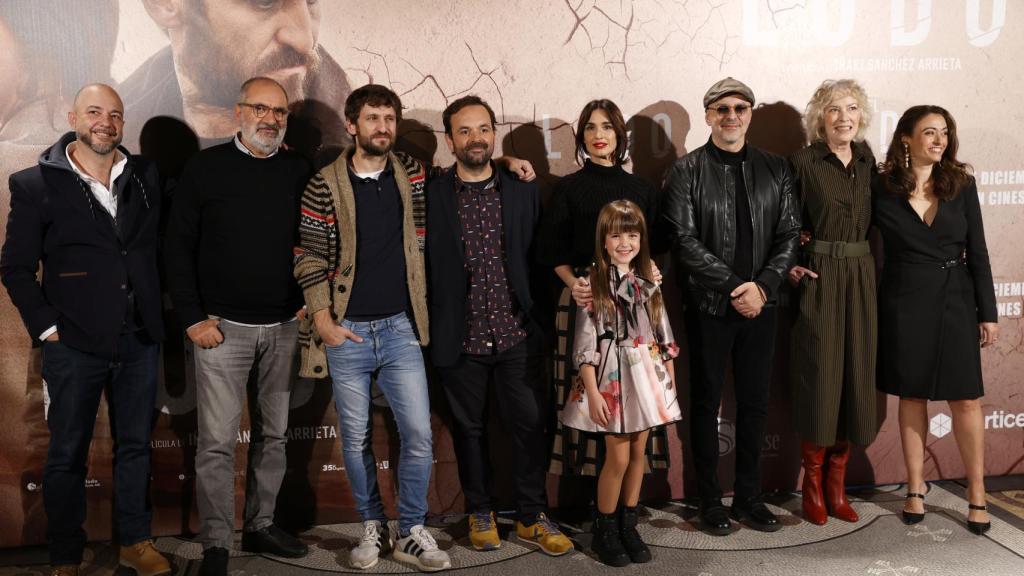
{"points": [[698, 215]]}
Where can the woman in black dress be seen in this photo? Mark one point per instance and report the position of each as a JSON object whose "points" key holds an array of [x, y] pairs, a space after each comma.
{"points": [[566, 245], [936, 301]]}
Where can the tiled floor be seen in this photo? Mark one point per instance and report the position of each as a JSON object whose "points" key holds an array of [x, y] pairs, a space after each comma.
{"points": [[878, 545]]}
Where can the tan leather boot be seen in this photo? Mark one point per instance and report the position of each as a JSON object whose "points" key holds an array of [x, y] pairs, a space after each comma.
{"points": [[144, 559]]}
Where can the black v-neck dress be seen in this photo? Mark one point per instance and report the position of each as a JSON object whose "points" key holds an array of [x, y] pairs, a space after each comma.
{"points": [[936, 287]]}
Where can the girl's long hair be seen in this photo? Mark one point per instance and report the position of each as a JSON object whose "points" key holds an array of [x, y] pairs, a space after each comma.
{"points": [[620, 217], [948, 176]]}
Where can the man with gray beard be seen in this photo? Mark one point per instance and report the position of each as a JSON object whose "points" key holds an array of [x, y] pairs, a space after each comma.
{"points": [[229, 268]]}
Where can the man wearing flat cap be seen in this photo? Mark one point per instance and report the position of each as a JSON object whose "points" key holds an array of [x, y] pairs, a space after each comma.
{"points": [[734, 230]]}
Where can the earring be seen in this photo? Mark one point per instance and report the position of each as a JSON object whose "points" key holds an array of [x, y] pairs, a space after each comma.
{"points": [[906, 155]]}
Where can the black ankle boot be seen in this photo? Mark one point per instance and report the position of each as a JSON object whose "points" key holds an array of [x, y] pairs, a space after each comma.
{"points": [[607, 543], [635, 547]]}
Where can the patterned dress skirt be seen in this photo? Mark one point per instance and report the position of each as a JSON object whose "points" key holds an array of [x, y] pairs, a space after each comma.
{"points": [[576, 452]]}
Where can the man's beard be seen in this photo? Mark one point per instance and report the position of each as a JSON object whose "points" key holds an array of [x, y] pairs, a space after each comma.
{"points": [[367, 145], [463, 155], [102, 149], [217, 79], [265, 144]]}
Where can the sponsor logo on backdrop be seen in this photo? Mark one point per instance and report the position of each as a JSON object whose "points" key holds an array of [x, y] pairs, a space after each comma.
{"points": [[1010, 299], [727, 440], [1000, 187], [726, 436], [1001, 419], [940, 425]]}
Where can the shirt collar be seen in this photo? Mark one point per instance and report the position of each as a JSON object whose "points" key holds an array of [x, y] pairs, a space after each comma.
{"points": [[120, 161], [240, 146], [822, 151], [491, 185]]}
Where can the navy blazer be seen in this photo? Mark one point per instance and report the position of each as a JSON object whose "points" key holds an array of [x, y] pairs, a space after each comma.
{"points": [[90, 265], [449, 280]]}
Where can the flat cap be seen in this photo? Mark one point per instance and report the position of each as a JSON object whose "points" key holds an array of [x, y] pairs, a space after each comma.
{"points": [[725, 87]]}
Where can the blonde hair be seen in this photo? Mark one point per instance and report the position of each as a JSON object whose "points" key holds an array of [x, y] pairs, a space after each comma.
{"points": [[827, 92]]}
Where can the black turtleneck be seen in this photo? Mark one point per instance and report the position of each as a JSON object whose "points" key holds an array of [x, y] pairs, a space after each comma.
{"points": [[570, 221], [743, 260]]}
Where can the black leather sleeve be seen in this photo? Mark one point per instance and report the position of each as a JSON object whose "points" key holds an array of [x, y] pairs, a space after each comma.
{"points": [[786, 241], [680, 217]]}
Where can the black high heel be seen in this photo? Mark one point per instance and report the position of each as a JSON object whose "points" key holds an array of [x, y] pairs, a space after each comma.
{"points": [[978, 528], [913, 517]]}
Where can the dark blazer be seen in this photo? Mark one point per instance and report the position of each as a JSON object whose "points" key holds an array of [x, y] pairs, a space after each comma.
{"points": [[90, 265], [449, 280], [936, 287]]}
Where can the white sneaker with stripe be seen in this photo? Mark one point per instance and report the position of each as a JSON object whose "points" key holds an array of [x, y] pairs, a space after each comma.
{"points": [[376, 540], [420, 549]]}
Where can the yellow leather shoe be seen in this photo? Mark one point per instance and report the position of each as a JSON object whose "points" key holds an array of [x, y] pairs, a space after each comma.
{"points": [[483, 531], [544, 535], [65, 570], [144, 559]]}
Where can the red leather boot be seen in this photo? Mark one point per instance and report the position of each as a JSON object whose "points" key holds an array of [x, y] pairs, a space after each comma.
{"points": [[835, 486], [814, 503]]}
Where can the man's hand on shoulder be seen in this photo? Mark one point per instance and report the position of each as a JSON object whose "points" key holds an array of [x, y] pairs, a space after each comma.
{"points": [[521, 168]]}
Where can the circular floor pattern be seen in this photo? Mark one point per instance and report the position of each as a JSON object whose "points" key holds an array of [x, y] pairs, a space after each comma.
{"points": [[329, 548], [676, 526]]}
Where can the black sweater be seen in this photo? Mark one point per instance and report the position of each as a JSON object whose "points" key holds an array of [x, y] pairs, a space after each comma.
{"points": [[570, 221], [232, 229]]}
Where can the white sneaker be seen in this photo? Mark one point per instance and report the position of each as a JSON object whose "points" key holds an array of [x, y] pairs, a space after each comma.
{"points": [[376, 540], [420, 548]]}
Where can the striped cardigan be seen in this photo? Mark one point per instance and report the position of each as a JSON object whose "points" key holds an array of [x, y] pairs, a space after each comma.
{"points": [[325, 257]]}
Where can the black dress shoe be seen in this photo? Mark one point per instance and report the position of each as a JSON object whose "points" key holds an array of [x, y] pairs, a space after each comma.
{"points": [[755, 514], [215, 562], [273, 540], [714, 519]]}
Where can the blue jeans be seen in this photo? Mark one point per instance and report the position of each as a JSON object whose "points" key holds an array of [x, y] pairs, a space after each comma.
{"points": [[390, 350], [75, 380]]}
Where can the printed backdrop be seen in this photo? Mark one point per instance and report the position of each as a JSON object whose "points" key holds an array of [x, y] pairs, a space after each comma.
{"points": [[178, 64]]}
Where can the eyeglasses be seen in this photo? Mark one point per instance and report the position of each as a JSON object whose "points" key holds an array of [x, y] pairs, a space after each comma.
{"points": [[723, 110], [261, 110]]}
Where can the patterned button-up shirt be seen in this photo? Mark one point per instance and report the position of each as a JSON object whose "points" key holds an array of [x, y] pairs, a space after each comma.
{"points": [[492, 322]]}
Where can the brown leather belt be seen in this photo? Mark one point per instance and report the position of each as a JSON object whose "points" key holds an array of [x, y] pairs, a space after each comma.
{"points": [[838, 249]]}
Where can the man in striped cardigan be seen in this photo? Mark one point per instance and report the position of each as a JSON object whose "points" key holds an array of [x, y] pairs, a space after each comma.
{"points": [[360, 265]]}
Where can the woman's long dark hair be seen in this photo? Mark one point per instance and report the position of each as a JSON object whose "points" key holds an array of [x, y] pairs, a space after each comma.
{"points": [[949, 175], [618, 126], [620, 217]]}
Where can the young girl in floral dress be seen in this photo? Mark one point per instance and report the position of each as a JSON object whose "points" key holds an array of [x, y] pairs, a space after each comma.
{"points": [[623, 349]]}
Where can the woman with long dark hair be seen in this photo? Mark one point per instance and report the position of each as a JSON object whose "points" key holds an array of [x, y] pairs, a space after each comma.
{"points": [[936, 300], [567, 245]]}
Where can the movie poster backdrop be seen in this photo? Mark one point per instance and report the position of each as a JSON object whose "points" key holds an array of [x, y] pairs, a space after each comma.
{"points": [[178, 66]]}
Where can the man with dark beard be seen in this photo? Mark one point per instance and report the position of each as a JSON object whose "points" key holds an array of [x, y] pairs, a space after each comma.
{"points": [[360, 265], [89, 212], [228, 255], [487, 341], [215, 46]]}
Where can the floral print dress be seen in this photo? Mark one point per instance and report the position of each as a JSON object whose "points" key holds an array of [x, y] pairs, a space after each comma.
{"points": [[629, 353]]}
